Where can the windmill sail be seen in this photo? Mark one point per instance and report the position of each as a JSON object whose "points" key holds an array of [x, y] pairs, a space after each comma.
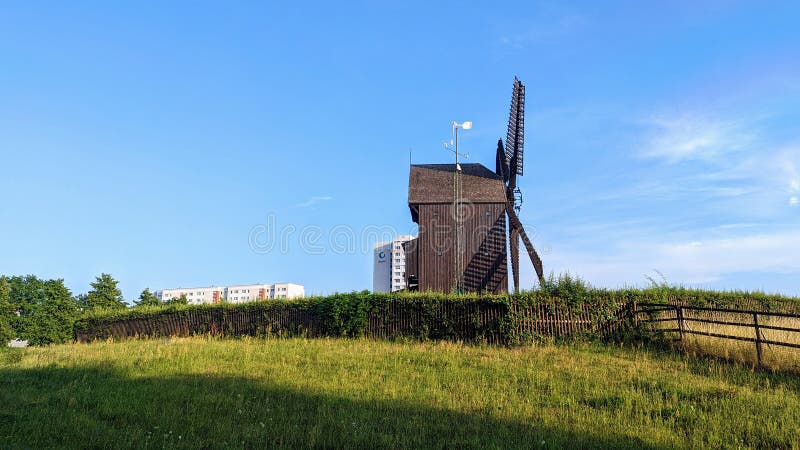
{"points": [[515, 136], [509, 165]]}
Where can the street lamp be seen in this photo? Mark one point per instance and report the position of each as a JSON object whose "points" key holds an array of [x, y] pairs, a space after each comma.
{"points": [[458, 210], [464, 126]]}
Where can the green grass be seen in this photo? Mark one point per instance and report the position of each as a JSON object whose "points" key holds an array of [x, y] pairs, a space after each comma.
{"points": [[251, 393]]}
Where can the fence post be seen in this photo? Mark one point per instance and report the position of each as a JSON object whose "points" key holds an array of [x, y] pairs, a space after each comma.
{"points": [[679, 313], [758, 338]]}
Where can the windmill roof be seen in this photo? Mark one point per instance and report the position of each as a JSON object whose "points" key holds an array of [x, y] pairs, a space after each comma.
{"points": [[433, 183]]}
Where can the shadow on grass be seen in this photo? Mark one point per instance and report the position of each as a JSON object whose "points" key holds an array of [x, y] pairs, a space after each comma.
{"points": [[94, 407]]}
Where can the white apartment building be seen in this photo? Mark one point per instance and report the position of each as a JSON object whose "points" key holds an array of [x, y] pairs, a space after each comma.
{"points": [[234, 294], [389, 265]]}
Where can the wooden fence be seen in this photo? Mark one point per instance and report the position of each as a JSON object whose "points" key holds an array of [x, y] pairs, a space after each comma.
{"points": [[551, 320], [490, 322], [230, 322], [679, 319], [445, 320]]}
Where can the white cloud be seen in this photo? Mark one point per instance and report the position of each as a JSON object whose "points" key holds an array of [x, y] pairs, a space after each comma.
{"points": [[313, 201], [692, 262], [788, 161], [728, 162], [710, 184], [731, 226], [694, 137], [774, 167]]}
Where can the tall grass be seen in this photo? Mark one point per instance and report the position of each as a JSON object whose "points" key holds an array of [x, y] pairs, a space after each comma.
{"points": [[775, 357], [354, 393]]}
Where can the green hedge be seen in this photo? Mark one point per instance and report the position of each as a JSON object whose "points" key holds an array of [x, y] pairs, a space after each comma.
{"points": [[421, 316], [696, 297], [497, 319]]}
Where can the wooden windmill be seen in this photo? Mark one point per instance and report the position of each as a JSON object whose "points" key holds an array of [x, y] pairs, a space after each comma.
{"points": [[463, 231]]}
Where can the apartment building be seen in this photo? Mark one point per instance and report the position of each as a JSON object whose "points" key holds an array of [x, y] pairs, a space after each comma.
{"points": [[389, 265], [234, 294]]}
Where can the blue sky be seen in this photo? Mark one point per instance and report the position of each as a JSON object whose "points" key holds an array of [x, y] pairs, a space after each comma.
{"points": [[160, 141]]}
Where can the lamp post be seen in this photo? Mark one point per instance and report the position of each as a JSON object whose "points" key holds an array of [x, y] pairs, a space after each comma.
{"points": [[458, 211]]}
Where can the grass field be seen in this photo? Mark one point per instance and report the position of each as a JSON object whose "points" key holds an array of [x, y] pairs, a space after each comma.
{"points": [[250, 393]]}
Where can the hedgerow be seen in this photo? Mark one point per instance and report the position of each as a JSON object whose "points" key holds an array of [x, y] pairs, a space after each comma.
{"points": [[341, 315], [468, 317]]}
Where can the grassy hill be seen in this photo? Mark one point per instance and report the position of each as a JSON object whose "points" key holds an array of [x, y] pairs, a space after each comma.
{"points": [[248, 393]]}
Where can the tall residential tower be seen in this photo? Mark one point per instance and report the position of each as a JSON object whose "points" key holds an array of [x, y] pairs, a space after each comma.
{"points": [[389, 265]]}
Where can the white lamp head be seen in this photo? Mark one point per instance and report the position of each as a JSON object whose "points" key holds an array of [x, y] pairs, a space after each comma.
{"points": [[466, 125]]}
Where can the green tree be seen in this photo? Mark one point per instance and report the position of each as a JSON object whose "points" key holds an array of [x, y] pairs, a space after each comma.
{"points": [[81, 302], [147, 298], [105, 294], [6, 312], [46, 310], [182, 300]]}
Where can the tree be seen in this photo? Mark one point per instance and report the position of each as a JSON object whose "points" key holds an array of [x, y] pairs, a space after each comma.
{"points": [[45, 310], [147, 298], [81, 302], [104, 295], [6, 312], [182, 300]]}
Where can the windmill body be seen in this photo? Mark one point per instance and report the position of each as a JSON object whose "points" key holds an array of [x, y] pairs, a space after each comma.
{"points": [[474, 228], [430, 257]]}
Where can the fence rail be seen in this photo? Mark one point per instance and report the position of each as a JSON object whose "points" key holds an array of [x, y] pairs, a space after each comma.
{"points": [[717, 316]]}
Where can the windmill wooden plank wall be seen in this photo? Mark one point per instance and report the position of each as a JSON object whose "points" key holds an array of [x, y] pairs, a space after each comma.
{"points": [[430, 257]]}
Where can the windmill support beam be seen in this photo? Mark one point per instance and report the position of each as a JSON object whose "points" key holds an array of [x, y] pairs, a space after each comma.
{"points": [[516, 225], [513, 248]]}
